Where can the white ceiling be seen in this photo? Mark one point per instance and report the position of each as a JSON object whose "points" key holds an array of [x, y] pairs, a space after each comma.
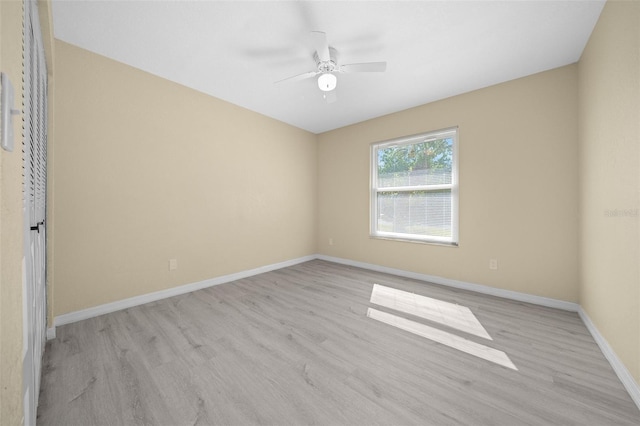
{"points": [[236, 50]]}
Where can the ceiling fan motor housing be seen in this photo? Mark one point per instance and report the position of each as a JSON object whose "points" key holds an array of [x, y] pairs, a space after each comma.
{"points": [[327, 66]]}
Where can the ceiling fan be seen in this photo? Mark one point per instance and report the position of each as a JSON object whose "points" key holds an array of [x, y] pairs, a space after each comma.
{"points": [[326, 58]]}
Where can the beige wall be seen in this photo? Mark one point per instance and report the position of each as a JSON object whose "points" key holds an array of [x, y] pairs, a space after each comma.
{"points": [[609, 93], [147, 170], [11, 226], [518, 187]]}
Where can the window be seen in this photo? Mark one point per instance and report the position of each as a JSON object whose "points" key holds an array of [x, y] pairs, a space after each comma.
{"points": [[414, 188]]}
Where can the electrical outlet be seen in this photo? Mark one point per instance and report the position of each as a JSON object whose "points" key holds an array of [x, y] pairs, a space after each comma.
{"points": [[330, 241], [493, 264], [173, 264]]}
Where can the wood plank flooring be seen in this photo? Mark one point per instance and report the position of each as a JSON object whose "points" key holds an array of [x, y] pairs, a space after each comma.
{"points": [[295, 347]]}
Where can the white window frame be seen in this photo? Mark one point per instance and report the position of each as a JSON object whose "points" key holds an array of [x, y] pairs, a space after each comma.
{"points": [[451, 132]]}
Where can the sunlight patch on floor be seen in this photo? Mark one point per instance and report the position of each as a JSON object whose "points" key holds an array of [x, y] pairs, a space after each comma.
{"points": [[449, 314]]}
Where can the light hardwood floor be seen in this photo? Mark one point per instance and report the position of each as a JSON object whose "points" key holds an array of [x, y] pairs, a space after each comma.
{"points": [[295, 347]]}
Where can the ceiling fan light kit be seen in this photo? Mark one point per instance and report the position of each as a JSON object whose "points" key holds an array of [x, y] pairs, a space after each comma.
{"points": [[327, 82]]}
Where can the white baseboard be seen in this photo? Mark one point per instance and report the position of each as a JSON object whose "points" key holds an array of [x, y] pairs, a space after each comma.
{"points": [[163, 294], [625, 377], [51, 333], [623, 374], [478, 288]]}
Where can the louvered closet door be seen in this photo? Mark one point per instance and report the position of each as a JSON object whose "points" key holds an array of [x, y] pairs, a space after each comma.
{"points": [[34, 209]]}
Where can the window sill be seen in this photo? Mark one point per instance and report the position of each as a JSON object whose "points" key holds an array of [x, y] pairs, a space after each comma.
{"points": [[415, 241]]}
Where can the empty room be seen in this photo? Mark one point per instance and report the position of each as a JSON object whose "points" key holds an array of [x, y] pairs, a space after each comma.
{"points": [[320, 212]]}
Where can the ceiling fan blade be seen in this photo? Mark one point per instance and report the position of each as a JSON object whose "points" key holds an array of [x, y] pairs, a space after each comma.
{"points": [[321, 45], [299, 77], [364, 67], [330, 97]]}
